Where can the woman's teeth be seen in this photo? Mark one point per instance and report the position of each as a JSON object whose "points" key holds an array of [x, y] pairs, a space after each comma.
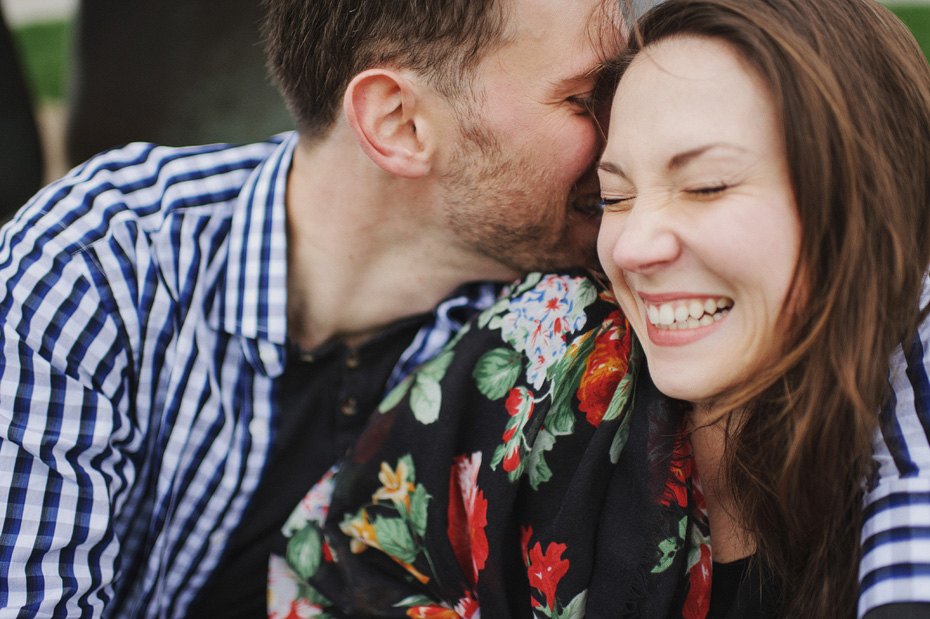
{"points": [[688, 314]]}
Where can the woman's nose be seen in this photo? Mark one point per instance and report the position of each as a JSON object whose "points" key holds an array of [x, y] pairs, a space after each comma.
{"points": [[647, 239]]}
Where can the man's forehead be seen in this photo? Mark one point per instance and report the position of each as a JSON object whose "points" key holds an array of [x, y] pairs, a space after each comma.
{"points": [[577, 34], [537, 16]]}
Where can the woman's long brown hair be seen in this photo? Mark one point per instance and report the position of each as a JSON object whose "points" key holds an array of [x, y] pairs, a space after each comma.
{"points": [[852, 90]]}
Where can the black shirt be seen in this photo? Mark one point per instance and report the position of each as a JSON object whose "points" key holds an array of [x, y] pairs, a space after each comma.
{"points": [[326, 398], [741, 590]]}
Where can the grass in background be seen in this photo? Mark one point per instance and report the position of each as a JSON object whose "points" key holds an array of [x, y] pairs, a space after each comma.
{"points": [[43, 50], [917, 18]]}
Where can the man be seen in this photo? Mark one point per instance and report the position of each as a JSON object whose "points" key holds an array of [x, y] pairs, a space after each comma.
{"points": [[178, 324]]}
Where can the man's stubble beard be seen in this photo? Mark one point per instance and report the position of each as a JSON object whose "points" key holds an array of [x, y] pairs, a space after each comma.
{"points": [[492, 206]]}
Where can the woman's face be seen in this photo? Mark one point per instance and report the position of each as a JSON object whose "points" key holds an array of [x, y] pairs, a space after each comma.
{"points": [[700, 236]]}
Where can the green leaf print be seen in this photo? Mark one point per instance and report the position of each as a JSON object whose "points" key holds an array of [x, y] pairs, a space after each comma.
{"points": [[670, 547], [435, 369], [426, 397], [406, 461], [584, 296], [624, 392], [537, 469], [620, 437], [419, 500], [528, 282], [575, 608], [395, 539], [497, 372], [416, 600], [425, 400], [498, 456], [566, 378], [395, 395], [492, 312], [304, 551]]}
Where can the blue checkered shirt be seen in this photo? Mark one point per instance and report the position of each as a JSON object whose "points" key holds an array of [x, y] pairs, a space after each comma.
{"points": [[142, 308], [895, 565]]}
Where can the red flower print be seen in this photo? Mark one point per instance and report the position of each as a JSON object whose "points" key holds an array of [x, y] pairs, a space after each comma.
{"points": [[468, 607], [525, 534], [519, 402], [698, 601], [512, 459], [546, 570], [468, 516], [327, 552], [676, 488], [519, 405], [604, 369]]}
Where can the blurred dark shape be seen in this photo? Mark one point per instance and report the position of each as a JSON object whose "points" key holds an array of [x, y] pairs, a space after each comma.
{"points": [[173, 72], [21, 164]]}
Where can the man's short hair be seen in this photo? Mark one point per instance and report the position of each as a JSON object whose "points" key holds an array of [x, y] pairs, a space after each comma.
{"points": [[316, 47]]}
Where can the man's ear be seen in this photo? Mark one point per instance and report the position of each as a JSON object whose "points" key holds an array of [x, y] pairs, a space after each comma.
{"points": [[388, 115]]}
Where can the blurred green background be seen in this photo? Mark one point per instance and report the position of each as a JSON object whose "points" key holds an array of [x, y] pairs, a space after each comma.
{"points": [[44, 49], [917, 19]]}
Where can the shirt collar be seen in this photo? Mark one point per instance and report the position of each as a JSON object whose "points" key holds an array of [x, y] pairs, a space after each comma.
{"points": [[255, 301]]}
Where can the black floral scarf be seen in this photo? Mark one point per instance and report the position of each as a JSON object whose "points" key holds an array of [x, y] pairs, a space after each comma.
{"points": [[515, 475]]}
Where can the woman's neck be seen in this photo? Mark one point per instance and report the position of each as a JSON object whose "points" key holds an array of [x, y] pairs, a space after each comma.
{"points": [[729, 540]]}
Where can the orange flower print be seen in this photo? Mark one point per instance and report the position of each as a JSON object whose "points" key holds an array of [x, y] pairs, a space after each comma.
{"points": [[604, 368], [361, 532], [431, 612], [546, 570], [395, 486], [466, 608]]}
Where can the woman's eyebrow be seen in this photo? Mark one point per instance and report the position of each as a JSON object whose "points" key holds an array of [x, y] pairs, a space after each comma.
{"points": [[682, 159]]}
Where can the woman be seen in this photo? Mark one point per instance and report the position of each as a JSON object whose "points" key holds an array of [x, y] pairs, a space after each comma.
{"points": [[766, 234], [770, 180]]}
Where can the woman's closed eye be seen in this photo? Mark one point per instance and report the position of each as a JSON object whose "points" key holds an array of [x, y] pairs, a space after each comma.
{"points": [[707, 192]]}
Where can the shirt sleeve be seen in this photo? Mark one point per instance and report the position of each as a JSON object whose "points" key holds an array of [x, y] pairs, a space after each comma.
{"points": [[895, 566], [63, 376]]}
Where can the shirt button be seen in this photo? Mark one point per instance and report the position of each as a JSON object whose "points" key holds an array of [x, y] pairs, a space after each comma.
{"points": [[352, 359], [349, 407]]}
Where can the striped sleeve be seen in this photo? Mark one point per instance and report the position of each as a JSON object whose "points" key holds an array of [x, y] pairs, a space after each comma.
{"points": [[63, 377], [895, 540], [87, 318]]}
